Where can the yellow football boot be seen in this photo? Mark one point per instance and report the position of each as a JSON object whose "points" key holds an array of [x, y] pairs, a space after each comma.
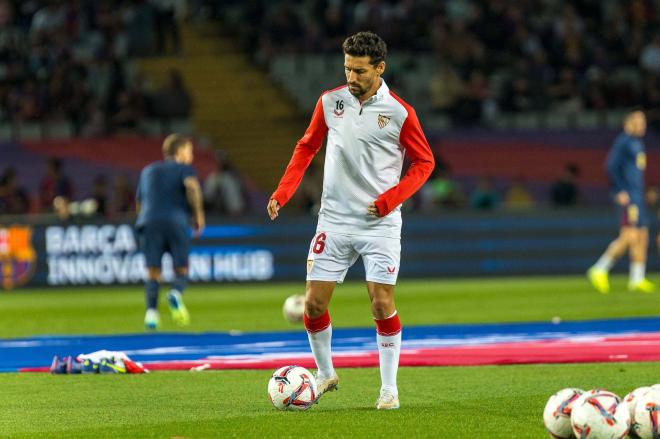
{"points": [[643, 286], [599, 279]]}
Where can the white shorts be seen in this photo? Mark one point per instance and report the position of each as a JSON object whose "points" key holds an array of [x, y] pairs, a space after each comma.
{"points": [[331, 255]]}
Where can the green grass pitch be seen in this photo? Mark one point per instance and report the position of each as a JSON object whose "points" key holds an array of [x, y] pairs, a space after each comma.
{"points": [[443, 402]]}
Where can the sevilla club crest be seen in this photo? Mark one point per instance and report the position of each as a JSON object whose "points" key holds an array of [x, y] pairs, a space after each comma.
{"points": [[383, 121]]}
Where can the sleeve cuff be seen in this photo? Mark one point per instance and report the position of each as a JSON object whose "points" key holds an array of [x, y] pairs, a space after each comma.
{"points": [[381, 205], [277, 198]]}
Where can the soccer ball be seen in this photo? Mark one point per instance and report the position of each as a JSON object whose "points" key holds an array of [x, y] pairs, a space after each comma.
{"points": [[646, 424], [600, 415], [293, 308], [292, 388], [630, 400], [586, 394], [557, 413]]}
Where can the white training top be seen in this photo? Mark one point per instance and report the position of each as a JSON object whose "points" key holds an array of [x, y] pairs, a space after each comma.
{"points": [[364, 158]]}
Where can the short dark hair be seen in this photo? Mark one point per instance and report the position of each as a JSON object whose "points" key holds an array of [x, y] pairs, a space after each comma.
{"points": [[173, 143], [366, 44]]}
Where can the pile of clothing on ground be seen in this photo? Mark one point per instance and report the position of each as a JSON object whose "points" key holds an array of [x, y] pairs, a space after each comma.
{"points": [[96, 362]]}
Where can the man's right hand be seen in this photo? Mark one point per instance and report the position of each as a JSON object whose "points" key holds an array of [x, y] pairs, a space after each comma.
{"points": [[273, 208], [199, 223], [622, 198]]}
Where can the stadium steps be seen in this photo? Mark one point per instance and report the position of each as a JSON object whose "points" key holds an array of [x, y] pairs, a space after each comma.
{"points": [[236, 105]]}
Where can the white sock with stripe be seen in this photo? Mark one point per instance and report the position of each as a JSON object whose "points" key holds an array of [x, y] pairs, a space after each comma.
{"points": [[319, 334], [388, 336]]}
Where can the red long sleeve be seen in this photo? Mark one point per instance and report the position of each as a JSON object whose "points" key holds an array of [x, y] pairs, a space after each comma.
{"points": [[305, 150], [412, 139]]}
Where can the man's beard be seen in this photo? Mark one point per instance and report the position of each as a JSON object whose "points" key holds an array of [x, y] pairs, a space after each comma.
{"points": [[357, 91]]}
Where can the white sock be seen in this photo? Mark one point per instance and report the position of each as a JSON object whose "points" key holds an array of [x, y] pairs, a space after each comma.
{"points": [[151, 314], [637, 271], [389, 347], [320, 343], [604, 263]]}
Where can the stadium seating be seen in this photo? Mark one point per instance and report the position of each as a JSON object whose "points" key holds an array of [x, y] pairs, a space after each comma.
{"points": [[235, 105]]}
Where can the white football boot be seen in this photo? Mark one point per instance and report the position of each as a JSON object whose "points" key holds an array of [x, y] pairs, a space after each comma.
{"points": [[387, 401], [325, 384]]}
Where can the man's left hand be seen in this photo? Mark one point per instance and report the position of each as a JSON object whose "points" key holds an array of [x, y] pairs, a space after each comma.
{"points": [[373, 210]]}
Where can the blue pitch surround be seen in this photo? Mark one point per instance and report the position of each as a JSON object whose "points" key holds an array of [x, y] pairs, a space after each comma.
{"points": [[16, 354]]}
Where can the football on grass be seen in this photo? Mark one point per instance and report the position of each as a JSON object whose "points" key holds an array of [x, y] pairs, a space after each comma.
{"points": [[646, 420], [600, 415], [557, 413], [630, 401], [293, 308], [292, 388]]}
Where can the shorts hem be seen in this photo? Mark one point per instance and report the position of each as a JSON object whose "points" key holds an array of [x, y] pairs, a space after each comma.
{"points": [[325, 279], [381, 280]]}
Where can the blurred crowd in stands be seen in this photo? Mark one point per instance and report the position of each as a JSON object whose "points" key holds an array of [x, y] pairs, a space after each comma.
{"points": [[443, 192], [112, 196], [490, 55], [226, 193], [69, 60], [56, 193]]}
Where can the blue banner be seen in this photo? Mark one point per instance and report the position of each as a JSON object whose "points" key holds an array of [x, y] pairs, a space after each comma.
{"points": [[256, 250]]}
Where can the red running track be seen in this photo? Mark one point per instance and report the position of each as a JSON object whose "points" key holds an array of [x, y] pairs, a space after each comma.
{"points": [[644, 347]]}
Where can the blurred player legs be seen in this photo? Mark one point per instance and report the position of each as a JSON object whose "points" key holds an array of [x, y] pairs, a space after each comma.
{"points": [[168, 195], [626, 163], [636, 241]]}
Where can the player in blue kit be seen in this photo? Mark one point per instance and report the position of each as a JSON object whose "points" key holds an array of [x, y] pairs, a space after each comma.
{"points": [[626, 163], [168, 196]]}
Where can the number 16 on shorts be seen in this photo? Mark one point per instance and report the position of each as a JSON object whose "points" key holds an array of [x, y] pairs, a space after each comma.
{"points": [[317, 247]]}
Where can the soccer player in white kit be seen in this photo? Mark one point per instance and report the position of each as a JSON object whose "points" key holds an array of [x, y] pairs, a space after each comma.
{"points": [[369, 129]]}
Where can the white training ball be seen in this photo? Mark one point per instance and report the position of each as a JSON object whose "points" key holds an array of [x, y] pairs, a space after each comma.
{"points": [[588, 393], [292, 388], [646, 420], [557, 413], [88, 207], [74, 208], [630, 401], [600, 415], [294, 308]]}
